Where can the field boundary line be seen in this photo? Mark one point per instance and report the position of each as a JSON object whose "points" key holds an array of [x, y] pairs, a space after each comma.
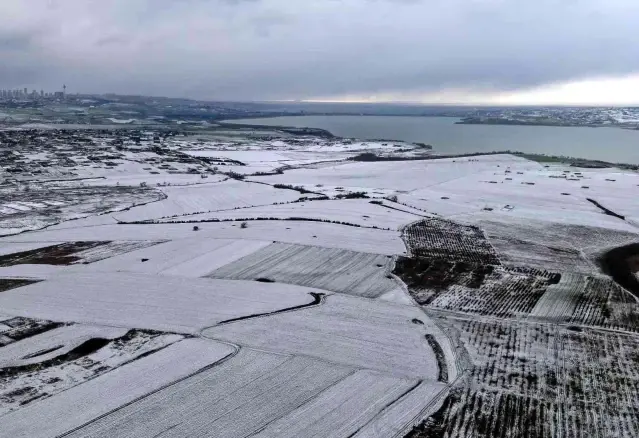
{"points": [[308, 400], [163, 387]]}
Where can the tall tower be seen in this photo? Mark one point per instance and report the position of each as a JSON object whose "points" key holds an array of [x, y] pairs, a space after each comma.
{"points": [[64, 90]]}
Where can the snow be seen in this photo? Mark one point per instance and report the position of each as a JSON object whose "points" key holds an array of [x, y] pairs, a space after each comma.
{"points": [[560, 300], [135, 177], [237, 398], [356, 364], [405, 412], [208, 197], [401, 176], [175, 304], [12, 248], [337, 270], [342, 409], [190, 257], [398, 296], [120, 121], [66, 338], [243, 156], [22, 386], [73, 408], [352, 211], [353, 331], [303, 233], [32, 271], [18, 206]]}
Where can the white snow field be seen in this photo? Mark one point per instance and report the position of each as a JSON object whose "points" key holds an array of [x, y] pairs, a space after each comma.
{"points": [[81, 404], [235, 399], [190, 257], [400, 176], [351, 211], [406, 411], [357, 332], [302, 233], [225, 195], [554, 194], [337, 270], [268, 395], [174, 304], [342, 409]]}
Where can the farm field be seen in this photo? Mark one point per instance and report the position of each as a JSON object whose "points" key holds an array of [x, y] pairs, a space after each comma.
{"points": [[83, 353], [352, 331], [69, 253], [347, 272], [190, 257], [395, 176], [549, 380], [263, 394], [359, 212], [43, 206], [302, 233], [226, 195], [182, 305], [81, 404], [213, 280]]}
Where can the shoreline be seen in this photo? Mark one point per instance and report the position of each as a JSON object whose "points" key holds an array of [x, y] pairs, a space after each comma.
{"points": [[539, 157]]}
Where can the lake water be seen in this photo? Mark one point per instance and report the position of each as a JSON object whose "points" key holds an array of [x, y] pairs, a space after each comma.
{"points": [[608, 144]]}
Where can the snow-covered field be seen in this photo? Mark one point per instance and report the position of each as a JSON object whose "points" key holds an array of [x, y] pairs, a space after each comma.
{"points": [[348, 272], [189, 257], [351, 211], [398, 176], [302, 233], [184, 289], [225, 195], [354, 331], [173, 304], [84, 403]]}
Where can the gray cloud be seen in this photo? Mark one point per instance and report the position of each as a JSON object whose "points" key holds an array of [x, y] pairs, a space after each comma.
{"points": [[279, 49]]}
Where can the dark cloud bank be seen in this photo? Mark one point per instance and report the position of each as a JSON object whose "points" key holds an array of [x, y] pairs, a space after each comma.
{"points": [[280, 49]]}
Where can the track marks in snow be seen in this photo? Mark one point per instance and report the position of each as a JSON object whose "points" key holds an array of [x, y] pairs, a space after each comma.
{"points": [[57, 415], [337, 270], [406, 411], [191, 257], [234, 399], [342, 409], [352, 331]]}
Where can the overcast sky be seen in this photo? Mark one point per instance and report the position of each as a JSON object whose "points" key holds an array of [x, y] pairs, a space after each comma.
{"points": [[447, 51]]}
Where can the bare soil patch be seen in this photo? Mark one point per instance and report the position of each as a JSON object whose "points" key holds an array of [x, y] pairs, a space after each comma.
{"points": [[62, 254], [9, 283]]}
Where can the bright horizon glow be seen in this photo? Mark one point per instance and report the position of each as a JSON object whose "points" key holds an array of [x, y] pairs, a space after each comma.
{"points": [[619, 91]]}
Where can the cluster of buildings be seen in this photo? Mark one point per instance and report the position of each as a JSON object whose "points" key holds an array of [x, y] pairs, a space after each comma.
{"points": [[24, 94]]}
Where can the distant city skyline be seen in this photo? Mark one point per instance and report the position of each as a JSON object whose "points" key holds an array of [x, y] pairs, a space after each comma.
{"points": [[24, 93]]}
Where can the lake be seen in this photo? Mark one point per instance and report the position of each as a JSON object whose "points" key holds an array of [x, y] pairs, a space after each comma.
{"points": [[608, 144]]}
